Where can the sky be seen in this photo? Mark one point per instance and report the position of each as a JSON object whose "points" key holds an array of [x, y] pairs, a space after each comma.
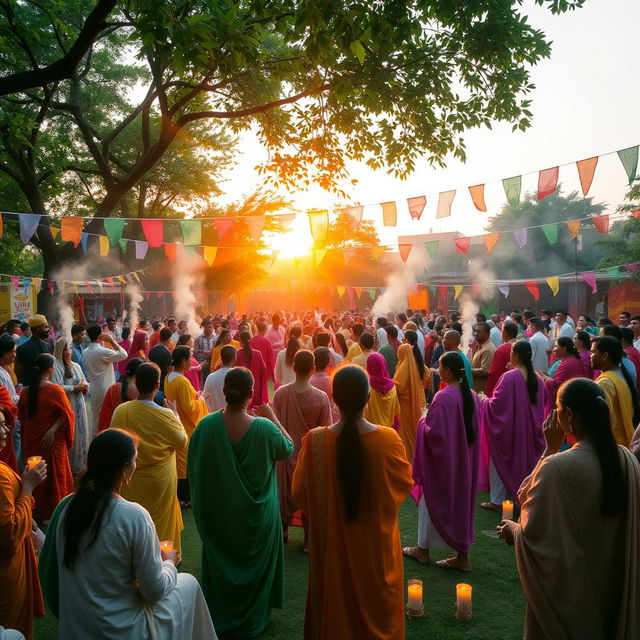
{"points": [[585, 104]]}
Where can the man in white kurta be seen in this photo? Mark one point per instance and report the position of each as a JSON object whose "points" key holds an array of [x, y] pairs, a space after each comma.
{"points": [[99, 362]]}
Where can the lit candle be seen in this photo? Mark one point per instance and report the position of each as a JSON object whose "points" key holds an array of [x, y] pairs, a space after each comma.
{"points": [[463, 601], [166, 546], [34, 461], [507, 509], [415, 608]]}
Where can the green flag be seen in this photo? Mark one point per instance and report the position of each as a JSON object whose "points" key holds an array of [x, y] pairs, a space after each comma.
{"points": [[614, 272], [629, 159], [512, 188], [191, 232], [551, 232], [432, 248], [123, 245], [113, 228], [372, 293]]}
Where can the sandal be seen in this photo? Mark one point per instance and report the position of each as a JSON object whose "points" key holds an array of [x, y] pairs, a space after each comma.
{"points": [[490, 506], [411, 552], [448, 563]]}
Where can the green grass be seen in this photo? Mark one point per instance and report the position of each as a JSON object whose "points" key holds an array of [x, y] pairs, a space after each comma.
{"points": [[498, 601]]}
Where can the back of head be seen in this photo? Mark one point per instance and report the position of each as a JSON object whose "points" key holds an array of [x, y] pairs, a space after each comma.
{"points": [[262, 328], [303, 363], [228, 355], [358, 329], [165, 334], [147, 375], [323, 339], [7, 344], [381, 322], [612, 331], [510, 330], [94, 332], [626, 336], [179, 355], [569, 345], [184, 339], [537, 324], [523, 350], [321, 358], [366, 341], [238, 386], [392, 332], [43, 362], [293, 346], [453, 361]]}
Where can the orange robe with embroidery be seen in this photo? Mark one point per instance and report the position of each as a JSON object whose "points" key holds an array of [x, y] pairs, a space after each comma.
{"points": [[356, 581], [20, 595], [52, 404]]}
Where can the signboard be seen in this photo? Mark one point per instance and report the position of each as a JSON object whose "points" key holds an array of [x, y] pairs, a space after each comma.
{"points": [[22, 304]]}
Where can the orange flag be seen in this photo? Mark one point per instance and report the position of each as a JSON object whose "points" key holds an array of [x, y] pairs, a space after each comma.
{"points": [[389, 214], [574, 227], [586, 169], [490, 241], [601, 223], [170, 251], [55, 231], [378, 252], [477, 195], [121, 278], [405, 250], [71, 230]]}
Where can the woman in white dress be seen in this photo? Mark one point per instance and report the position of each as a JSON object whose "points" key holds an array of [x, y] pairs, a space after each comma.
{"points": [[69, 376], [102, 570]]}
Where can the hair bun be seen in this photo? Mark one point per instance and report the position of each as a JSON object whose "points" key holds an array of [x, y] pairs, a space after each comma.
{"points": [[233, 396]]}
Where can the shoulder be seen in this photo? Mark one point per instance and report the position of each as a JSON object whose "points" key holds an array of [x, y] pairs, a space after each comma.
{"points": [[132, 513]]}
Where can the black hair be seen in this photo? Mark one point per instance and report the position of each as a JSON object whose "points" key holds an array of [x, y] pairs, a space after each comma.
{"points": [[43, 362], [584, 337], [147, 375], [222, 334], [238, 385], [568, 344], [511, 329], [77, 328], [183, 339], [126, 332], [522, 349], [381, 322], [109, 452], [483, 326], [323, 339], [94, 332], [412, 339], [156, 324], [392, 330], [321, 358], [227, 353], [342, 343], [612, 330], [357, 328], [537, 323], [293, 346], [180, 354], [350, 387], [7, 344], [626, 335], [588, 400], [165, 334], [132, 366], [245, 339], [303, 362], [453, 361], [366, 340]]}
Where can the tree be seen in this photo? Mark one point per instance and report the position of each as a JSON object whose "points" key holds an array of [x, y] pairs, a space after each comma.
{"points": [[320, 83], [539, 257]]}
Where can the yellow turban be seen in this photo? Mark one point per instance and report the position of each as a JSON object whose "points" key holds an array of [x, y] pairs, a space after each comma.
{"points": [[37, 320]]}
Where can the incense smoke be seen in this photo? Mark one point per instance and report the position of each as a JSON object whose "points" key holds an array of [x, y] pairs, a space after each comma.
{"points": [[186, 279], [61, 301], [135, 302], [468, 308]]}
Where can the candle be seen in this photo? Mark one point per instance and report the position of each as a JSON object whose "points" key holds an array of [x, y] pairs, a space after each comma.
{"points": [[507, 509], [415, 609], [463, 601], [166, 546], [34, 461]]}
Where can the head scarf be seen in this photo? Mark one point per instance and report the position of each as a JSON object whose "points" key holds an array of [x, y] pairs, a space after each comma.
{"points": [[407, 377], [379, 374], [137, 348]]}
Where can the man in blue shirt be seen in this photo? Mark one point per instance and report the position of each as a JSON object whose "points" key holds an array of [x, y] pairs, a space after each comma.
{"points": [[78, 340]]}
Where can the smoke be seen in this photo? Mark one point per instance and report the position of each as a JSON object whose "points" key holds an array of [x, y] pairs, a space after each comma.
{"points": [[135, 301], [61, 301], [468, 308], [186, 279]]}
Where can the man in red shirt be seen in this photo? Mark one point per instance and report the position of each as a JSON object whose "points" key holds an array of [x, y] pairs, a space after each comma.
{"points": [[501, 357]]}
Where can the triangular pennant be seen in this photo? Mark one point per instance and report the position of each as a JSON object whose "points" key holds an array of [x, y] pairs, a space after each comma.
{"points": [[432, 248], [586, 170], [210, 255], [84, 241], [490, 241], [574, 227], [340, 289], [113, 227], [71, 230], [136, 276], [378, 252], [121, 279], [224, 226], [457, 290], [285, 220], [36, 284], [355, 214], [123, 244], [256, 225], [170, 251], [26, 283], [504, 290], [389, 214], [319, 255], [521, 237], [159, 294], [512, 187], [445, 200], [462, 244], [554, 284], [54, 232], [141, 249], [629, 159], [319, 225], [104, 245], [110, 282], [190, 251], [358, 291], [74, 286], [153, 231], [348, 255], [147, 294], [405, 250], [442, 291], [52, 286], [191, 232], [477, 195], [533, 289], [551, 232], [590, 278], [614, 272], [88, 285], [601, 223], [632, 266], [28, 224], [547, 182], [372, 293], [416, 206]]}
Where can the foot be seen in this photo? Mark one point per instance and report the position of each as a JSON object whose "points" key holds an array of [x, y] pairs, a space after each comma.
{"points": [[492, 506], [454, 563], [417, 553]]}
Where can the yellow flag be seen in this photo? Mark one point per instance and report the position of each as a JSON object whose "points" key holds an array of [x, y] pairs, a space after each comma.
{"points": [[458, 290], [137, 277], [378, 252], [320, 254], [553, 283], [210, 255], [574, 227], [104, 246], [54, 232], [122, 279], [341, 290]]}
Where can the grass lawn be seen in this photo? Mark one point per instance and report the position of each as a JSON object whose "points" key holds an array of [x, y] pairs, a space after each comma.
{"points": [[498, 601]]}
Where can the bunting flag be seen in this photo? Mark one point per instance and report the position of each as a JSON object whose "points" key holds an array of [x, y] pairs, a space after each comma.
{"points": [[319, 255], [256, 225], [389, 214], [372, 293], [355, 214], [504, 290], [340, 289], [547, 182], [319, 225], [590, 278], [551, 232], [521, 237], [74, 286], [15, 282], [51, 286], [574, 228], [190, 251], [26, 283], [445, 200], [36, 284], [378, 252], [512, 187], [432, 248], [147, 294], [462, 244], [191, 232], [110, 282], [457, 290], [635, 213], [490, 241], [123, 244], [209, 254], [141, 249], [614, 272], [554, 284], [137, 277], [114, 227], [632, 266], [153, 231], [405, 250], [28, 224], [224, 226], [54, 232], [89, 289], [84, 241], [159, 294], [285, 220], [104, 246], [71, 230], [477, 195], [170, 251], [533, 289], [629, 159], [358, 291], [416, 206], [348, 255], [442, 291], [586, 170], [601, 223]]}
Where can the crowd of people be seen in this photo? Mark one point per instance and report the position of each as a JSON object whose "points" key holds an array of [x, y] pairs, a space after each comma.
{"points": [[326, 421]]}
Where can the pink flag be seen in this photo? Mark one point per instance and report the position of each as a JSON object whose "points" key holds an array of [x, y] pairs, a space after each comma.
{"points": [[602, 223], [462, 245], [533, 289], [590, 278], [416, 206], [147, 294], [110, 282], [159, 294], [355, 214], [223, 226], [14, 282], [51, 284], [547, 182], [89, 289], [442, 290], [153, 231]]}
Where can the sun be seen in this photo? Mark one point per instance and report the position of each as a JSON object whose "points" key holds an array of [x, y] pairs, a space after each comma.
{"points": [[294, 243]]}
